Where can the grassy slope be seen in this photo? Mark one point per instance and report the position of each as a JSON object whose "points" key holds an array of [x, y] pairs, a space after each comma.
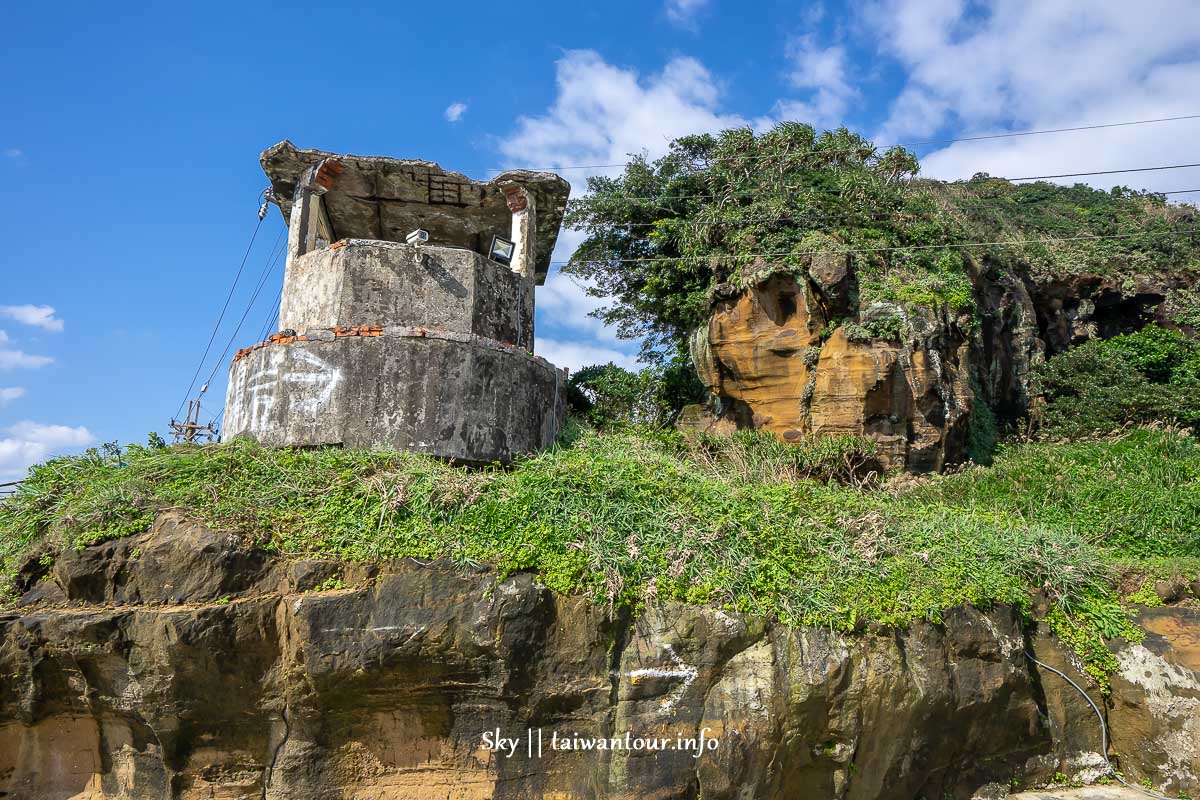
{"points": [[747, 523]]}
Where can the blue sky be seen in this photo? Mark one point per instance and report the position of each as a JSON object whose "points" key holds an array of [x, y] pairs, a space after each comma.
{"points": [[129, 141]]}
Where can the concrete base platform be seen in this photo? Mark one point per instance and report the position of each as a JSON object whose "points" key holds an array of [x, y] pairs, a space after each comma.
{"points": [[452, 395]]}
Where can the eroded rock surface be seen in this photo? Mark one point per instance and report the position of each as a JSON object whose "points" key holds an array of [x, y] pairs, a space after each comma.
{"points": [[1083, 793], [1156, 694], [798, 354], [179, 664], [769, 358]]}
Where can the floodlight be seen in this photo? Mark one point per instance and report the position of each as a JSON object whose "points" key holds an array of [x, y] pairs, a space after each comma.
{"points": [[501, 250]]}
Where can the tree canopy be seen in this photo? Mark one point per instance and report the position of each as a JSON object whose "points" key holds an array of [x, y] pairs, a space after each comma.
{"points": [[737, 206]]}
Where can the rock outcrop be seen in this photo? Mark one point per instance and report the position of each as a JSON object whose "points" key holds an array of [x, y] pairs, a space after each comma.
{"points": [[183, 664], [799, 354], [774, 360], [1084, 793]]}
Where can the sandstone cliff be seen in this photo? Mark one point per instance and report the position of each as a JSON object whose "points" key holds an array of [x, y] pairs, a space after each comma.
{"points": [[796, 353], [182, 663]]}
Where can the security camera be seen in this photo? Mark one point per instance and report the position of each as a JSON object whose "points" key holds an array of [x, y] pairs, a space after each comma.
{"points": [[419, 236]]}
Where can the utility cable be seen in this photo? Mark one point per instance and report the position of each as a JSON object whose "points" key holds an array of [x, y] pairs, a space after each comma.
{"points": [[262, 337], [954, 245], [1103, 730], [950, 186], [272, 315], [267, 269], [898, 144], [187, 395], [1100, 172]]}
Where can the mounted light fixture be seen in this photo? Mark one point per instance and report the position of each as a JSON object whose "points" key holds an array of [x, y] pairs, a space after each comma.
{"points": [[501, 250]]}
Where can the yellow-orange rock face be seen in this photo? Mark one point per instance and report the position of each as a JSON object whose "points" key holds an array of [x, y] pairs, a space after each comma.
{"points": [[758, 355], [908, 400], [758, 344]]}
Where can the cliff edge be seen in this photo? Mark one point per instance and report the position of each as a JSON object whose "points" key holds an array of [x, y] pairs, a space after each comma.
{"points": [[184, 663]]}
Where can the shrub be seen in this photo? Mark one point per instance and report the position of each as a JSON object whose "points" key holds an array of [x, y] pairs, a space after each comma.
{"points": [[982, 434], [856, 333], [890, 327], [1183, 306], [606, 395], [756, 456], [1151, 375], [1153, 351]]}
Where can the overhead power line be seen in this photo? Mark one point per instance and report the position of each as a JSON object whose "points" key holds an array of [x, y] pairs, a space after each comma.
{"points": [[982, 137], [187, 395], [780, 217], [949, 186], [268, 268], [1101, 172], [262, 335], [272, 316], [954, 246], [1013, 134]]}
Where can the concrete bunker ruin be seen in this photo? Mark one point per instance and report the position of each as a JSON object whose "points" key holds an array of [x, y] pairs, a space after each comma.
{"points": [[400, 324]]}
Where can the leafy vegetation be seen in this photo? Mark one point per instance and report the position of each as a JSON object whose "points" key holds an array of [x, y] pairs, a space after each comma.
{"points": [[1183, 308], [606, 395], [1153, 374], [746, 522], [982, 432], [738, 206]]}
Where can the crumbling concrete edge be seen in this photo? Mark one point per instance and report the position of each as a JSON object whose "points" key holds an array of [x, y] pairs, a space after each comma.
{"points": [[382, 244], [395, 332]]}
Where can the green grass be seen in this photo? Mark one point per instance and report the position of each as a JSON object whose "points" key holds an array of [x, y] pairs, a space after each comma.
{"points": [[746, 523]]}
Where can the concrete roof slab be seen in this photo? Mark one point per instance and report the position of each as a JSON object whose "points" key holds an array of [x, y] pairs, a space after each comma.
{"points": [[376, 197]]}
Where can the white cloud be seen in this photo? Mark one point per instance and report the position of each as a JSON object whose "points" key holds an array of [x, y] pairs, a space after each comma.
{"points": [[51, 435], [17, 359], [821, 72], [578, 354], [455, 111], [38, 316], [29, 442], [683, 12], [601, 115], [1030, 66], [565, 301], [10, 393], [13, 152]]}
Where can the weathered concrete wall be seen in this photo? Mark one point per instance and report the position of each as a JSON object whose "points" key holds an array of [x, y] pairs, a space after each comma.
{"points": [[383, 283], [452, 395]]}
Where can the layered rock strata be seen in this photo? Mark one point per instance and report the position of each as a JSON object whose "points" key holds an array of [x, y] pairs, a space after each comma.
{"points": [[183, 664], [796, 354]]}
